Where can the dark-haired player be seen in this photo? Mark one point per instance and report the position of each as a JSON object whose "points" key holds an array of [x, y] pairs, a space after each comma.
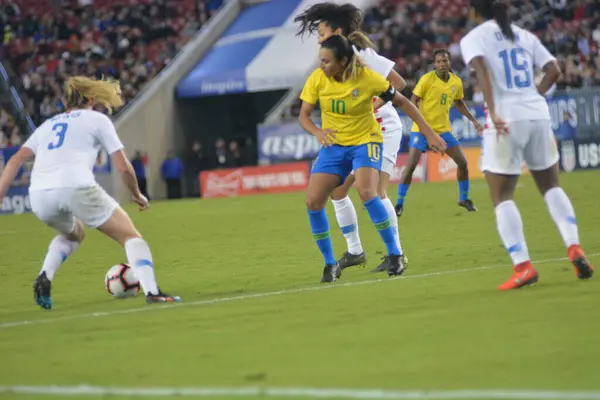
{"points": [[435, 94], [503, 57]]}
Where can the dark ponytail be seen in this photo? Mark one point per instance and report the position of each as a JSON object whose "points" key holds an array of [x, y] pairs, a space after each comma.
{"points": [[346, 17], [497, 10]]}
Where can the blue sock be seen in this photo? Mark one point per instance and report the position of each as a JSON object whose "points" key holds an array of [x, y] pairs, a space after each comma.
{"points": [[381, 219], [463, 189], [402, 190], [320, 231]]}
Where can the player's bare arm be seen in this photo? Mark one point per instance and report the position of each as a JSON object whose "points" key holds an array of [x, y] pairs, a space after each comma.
{"points": [[12, 169], [485, 80], [461, 106], [552, 73]]}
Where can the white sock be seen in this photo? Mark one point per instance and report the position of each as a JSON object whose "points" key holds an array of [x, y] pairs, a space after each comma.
{"points": [[59, 250], [140, 259], [389, 206], [563, 214], [510, 228], [345, 213]]}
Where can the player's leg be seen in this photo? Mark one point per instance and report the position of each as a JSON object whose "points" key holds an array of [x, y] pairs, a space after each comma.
{"points": [[367, 164], [345, 213], [542, 157], [462, 173], [418, 145], [502, 158], [45, 206], [96, 209], [328, 172], [390, 154]]}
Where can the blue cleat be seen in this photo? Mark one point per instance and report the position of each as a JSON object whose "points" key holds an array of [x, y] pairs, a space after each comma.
{"points": [[41, 291]]}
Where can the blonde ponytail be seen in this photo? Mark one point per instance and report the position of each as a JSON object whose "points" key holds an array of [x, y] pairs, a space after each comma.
{"points": [[81, 91], [360, 39]]}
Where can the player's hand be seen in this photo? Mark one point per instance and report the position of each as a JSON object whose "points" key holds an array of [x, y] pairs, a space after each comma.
{"points": [[141, 201], [435, 142], [478, 128], [500, 125], [326, 136]]}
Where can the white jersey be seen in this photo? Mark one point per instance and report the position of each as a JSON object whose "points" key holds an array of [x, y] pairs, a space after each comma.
{"points": [[387, 116], [66, 148], [512, 67]]}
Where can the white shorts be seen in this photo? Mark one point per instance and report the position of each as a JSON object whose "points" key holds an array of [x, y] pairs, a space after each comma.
{"points": [[391, 146], [59, 207], [530, 141]]}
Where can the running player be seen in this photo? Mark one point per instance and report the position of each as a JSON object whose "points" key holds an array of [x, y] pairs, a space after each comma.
{"points": [[329, 19], [435, 94], [351, 139], [63, 192], [503, 57]]}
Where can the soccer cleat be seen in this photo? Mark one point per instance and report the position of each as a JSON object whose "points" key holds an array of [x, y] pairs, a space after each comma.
{"points": [[399, 209], [467, 205], [583, 268], [396, 265], [41, 291], [524, 275], [350, 260], [161, 298], [331, 273], [385, 263]]}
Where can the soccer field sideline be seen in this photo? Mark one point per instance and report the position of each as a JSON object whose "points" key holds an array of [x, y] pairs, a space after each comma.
{"points": [[13, 324], [310, 393]]}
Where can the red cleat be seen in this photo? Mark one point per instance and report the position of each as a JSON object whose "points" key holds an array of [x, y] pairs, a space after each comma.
{"points": [[583, 268], [524, 275]]}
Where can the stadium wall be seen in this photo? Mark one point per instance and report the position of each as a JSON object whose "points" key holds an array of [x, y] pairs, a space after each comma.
{"points": [[150, 124]]}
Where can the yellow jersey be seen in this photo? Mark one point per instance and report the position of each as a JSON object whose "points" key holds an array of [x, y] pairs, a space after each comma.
{"points": [[437, 97], [347, 107]]}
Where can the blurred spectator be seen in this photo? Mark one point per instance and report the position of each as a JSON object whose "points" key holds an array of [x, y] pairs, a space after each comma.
{"points": [[221, 157], [196, 162], [140, 172], [172, 173], [237, 159]]}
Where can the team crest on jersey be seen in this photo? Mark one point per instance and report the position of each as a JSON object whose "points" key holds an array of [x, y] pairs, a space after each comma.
{"points": [[453, 89], [355, 93], [567, 155]]}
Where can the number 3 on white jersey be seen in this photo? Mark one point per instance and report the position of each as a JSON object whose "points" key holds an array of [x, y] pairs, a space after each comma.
{"points": [[60, 129]]}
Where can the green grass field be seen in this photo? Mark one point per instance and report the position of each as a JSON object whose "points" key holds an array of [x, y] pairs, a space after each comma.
{"points": [[255, 316]]}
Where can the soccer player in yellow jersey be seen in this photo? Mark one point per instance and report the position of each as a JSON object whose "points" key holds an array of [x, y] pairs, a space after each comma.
{"points": [[435, 94], [352, 140]]}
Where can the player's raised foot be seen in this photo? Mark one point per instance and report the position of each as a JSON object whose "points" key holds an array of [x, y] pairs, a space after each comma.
{"points": [[331, 273], [583, 268], [524, 275], [467, 205], [41, 291], [396, 265], [161, 297], [399, 209], [350, 260]]}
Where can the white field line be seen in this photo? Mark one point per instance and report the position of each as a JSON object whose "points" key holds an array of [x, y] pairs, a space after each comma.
{"points": [[155, 307], [311, 393]]}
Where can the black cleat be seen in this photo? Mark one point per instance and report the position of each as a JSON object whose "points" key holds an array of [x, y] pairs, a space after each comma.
{"points": [[161, 297], [467, 205], [331, 273], [396, 265], [41, 291], [350, 260], [399, 209], [385, 264]]}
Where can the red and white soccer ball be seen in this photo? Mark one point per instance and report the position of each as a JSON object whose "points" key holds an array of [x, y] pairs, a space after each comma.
{"points": [[121, 282]]}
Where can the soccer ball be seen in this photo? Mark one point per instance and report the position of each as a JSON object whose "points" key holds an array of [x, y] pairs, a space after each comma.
{"points": [[121, 282]]}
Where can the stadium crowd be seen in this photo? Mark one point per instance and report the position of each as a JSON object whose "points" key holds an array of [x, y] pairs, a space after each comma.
{"points": [[132, 40]]}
